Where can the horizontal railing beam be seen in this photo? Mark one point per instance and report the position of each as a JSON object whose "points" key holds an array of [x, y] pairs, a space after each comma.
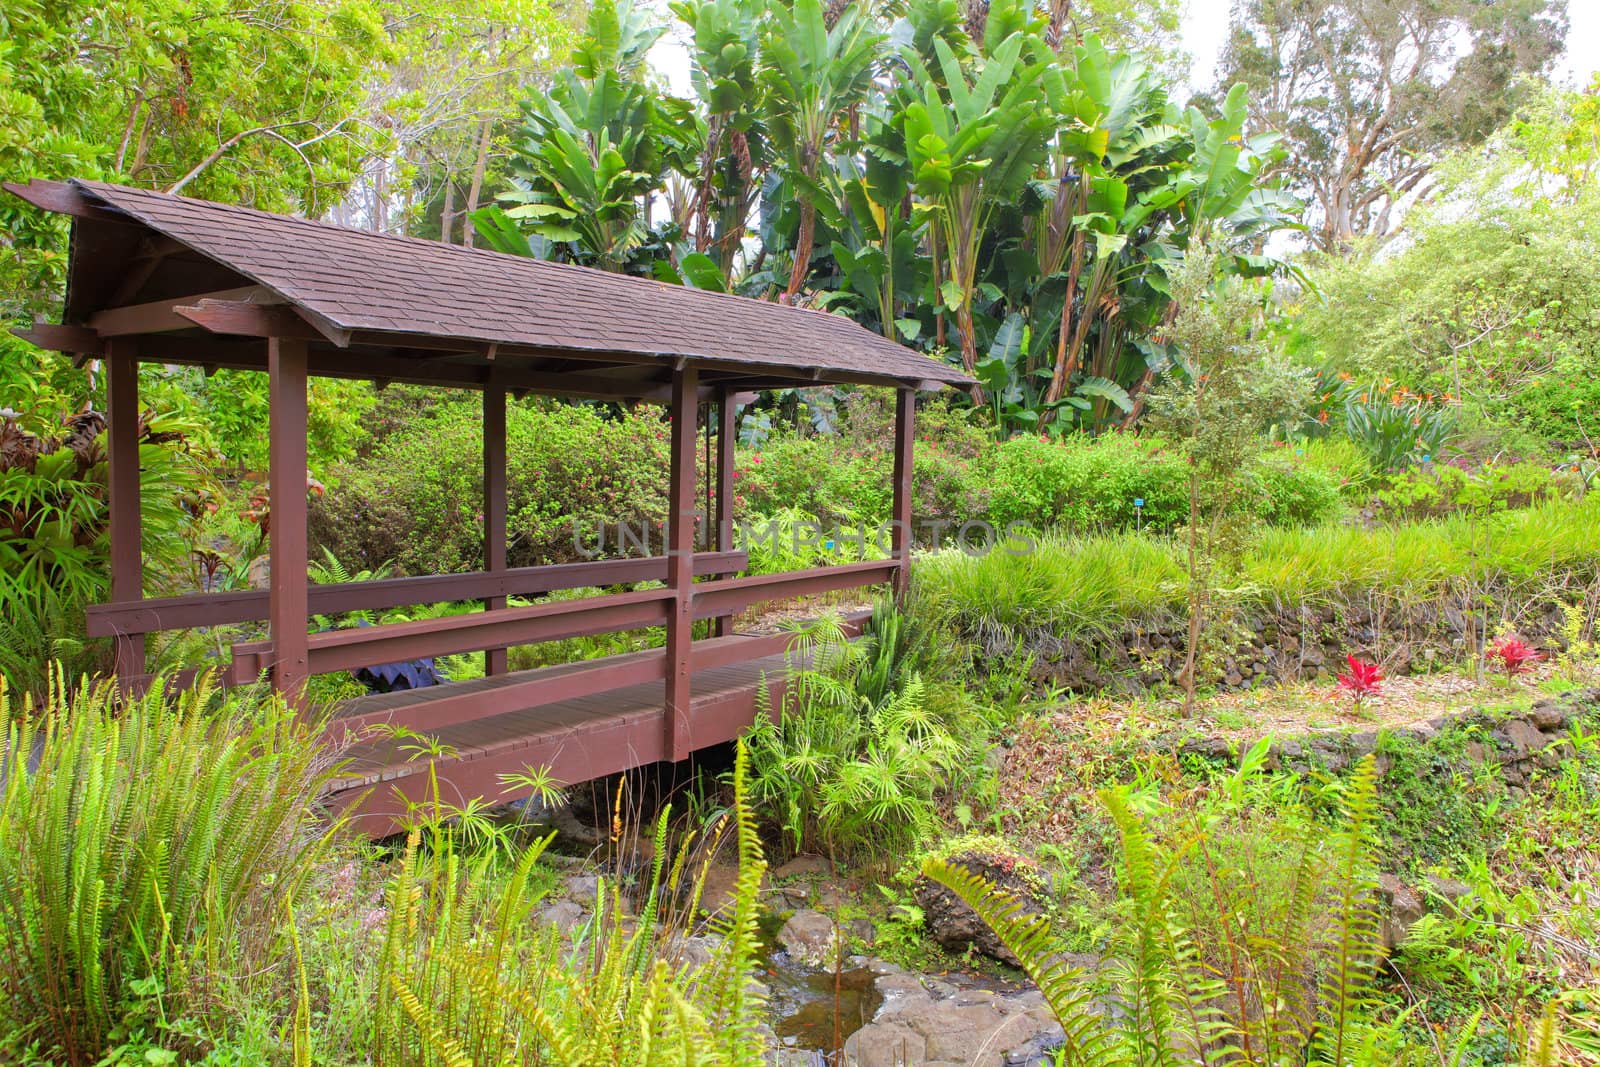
{"points": [[250, 605], [728, 596], [342, 650], [537, 689]]}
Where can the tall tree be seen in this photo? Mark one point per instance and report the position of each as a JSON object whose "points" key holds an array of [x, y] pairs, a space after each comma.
{"points": [[1371, 93], [260, 102]]}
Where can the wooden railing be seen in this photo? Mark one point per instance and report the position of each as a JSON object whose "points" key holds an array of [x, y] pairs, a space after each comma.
{"points": [[232, 608], [503, 627], [343, 650]]}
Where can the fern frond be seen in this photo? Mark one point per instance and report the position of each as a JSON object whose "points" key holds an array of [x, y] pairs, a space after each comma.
{"points": [[1029, 937], [1358, 948]]}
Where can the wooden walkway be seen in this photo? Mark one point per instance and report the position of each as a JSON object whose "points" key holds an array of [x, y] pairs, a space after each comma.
{"points": [[573, 739]]}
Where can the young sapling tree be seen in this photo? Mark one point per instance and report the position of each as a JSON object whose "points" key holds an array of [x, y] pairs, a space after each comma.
{"points": [[1222, 390]]}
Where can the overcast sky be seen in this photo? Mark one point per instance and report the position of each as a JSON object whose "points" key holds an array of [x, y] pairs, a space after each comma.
{"points": [[1205, 27]]}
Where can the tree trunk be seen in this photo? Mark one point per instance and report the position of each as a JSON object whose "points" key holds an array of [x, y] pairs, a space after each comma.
{"points": [[1196, 596], [479, 166], [447, 211], [1058, 380], [802, 251]]}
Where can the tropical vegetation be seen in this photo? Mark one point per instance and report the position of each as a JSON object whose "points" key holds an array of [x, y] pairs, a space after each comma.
{"points": [[1251, 651]]}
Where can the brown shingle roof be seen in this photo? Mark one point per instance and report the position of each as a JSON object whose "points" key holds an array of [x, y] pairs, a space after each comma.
{"points": [[360, 280]]}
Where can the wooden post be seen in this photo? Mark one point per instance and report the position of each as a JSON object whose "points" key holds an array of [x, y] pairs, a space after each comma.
{"points": [[126, 526], [724, 501], [286, 447], [494, 505], [680, 559], [905, 410]]}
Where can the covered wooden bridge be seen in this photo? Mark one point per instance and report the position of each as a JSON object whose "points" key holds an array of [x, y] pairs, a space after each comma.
{"points": [[167, 279]]}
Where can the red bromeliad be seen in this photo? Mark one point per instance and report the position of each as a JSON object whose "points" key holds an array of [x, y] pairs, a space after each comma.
{"points": [[1515, 655], [1363, 680]]}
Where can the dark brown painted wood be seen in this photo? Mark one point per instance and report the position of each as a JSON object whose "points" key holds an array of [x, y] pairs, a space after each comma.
{"points": [[731, 595], [63, 199], [289, 606], [245, 319], [73, 340], [905, 411], [159, 316], [727, 406], [126, 527], [494, 506], [680, 554], [250, 605], [343, 650]]}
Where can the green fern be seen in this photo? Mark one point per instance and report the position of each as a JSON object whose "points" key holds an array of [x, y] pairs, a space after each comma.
{"points": [[473, 982], [155, 838], [1167, 1006], [1029, 937], [1358, 947]]}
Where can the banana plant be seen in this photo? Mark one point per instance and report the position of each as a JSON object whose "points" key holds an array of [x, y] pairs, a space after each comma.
{"points": [[814, 76], [726, 38], [579, 182], [589, 153], [972, 143], [1114, 134]]}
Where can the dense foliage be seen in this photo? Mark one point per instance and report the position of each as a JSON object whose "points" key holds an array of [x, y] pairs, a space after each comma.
{"points": [[953, 180]]}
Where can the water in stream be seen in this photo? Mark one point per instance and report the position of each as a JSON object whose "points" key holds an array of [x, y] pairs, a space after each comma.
{"points": [[816, 1010]]}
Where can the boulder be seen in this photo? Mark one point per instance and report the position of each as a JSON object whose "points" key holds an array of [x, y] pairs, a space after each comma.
{"points": [[1449, 891], [564, 915], [812, 938], [1522, 738], [957, 927], [942, 1025], [1400, 906], [805, 865], [1548, 714]]}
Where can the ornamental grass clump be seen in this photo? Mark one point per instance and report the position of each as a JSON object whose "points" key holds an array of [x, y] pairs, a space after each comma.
{"points": [[148, 850]]}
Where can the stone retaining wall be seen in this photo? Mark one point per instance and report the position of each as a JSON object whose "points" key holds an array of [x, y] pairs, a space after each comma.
{"points": [[1285, 645]]}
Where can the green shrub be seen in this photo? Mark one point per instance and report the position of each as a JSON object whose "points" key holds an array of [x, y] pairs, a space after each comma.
{"points": [[55, 554], [1440, 490], [1559, 407], [147, 850], [1085, 484], [1291, 494], [822, 477], [416, 500]]}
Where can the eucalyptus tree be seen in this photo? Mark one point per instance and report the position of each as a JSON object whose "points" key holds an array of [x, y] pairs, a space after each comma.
{"points": [[1372, 93]]}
